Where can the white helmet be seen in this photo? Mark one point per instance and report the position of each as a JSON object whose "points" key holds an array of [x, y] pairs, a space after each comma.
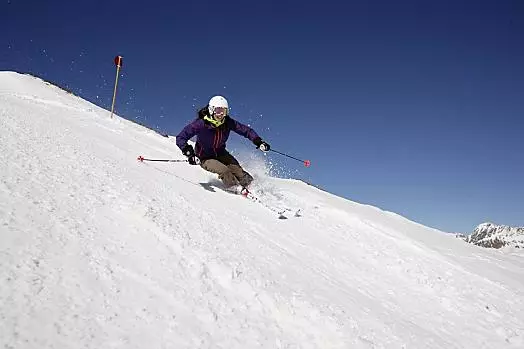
{"points": [[217, 102]]}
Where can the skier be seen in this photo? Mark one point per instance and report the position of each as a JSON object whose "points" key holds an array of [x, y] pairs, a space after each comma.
{"points": [[212, 128]]}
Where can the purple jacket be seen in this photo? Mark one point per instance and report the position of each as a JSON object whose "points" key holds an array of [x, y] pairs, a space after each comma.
{"points": [[211, 141]]}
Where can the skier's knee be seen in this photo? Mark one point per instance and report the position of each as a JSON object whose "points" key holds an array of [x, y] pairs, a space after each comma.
{"points": [[229, 179], [245, 179]]}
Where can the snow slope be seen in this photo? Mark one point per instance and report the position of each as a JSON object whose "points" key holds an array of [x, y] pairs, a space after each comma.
{"points": [[98, 250]]}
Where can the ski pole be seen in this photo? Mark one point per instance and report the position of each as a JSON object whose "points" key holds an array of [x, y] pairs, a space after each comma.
{"points": [[306, 163], [142, 159]]}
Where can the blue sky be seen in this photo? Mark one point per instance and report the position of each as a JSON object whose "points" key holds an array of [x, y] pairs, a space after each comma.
{"points": [[416, 107]]}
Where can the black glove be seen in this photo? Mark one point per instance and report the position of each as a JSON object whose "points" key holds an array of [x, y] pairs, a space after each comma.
{"points": [[190, 153], [261, 144], [193, 160], [188, 150]]}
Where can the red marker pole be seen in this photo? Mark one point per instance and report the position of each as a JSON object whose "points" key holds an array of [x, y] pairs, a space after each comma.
{"points": [[118, 63]]}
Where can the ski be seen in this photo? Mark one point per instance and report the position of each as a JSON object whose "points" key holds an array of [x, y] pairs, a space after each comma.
{"points": [[281, 212]]}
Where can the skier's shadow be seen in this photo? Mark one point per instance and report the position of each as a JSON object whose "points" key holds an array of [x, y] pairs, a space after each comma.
{"points": [[215, 185], [208, 186]]}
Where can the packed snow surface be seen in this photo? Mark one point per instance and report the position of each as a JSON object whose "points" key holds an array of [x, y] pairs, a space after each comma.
{"points": [[98, 250]]}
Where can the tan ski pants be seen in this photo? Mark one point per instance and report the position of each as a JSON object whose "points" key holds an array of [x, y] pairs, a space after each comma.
{"points": [[228, 170]]}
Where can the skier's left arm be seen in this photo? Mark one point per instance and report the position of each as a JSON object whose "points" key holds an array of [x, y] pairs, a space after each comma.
{"points": [[249, 133], [243, 130]]}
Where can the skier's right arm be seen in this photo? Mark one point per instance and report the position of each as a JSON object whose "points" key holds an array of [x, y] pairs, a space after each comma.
{"points": [[187, 133]]}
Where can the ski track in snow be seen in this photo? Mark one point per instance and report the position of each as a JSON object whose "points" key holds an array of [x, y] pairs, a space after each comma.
{"points": [[98, 250]]}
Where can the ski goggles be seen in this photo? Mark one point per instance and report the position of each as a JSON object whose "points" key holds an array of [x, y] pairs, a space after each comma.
{"points": [[220, 111]]}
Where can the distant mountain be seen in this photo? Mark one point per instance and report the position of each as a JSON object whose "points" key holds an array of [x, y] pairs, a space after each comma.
{"points": [[496, 236]]}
